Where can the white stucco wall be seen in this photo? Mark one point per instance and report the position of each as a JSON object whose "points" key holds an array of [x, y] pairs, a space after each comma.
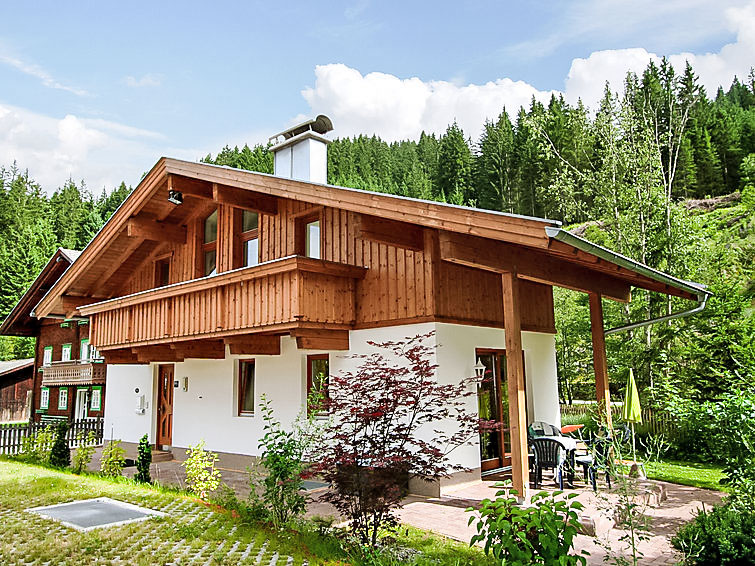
{"points": [[121, 420], [208, 409]]}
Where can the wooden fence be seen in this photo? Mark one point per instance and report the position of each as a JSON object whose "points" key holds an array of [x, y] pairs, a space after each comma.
{"points": [[653, 422], [15, 409], [12, 435]]}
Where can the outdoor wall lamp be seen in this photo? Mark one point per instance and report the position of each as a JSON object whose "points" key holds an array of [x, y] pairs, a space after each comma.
{"points": [[479, 368]]}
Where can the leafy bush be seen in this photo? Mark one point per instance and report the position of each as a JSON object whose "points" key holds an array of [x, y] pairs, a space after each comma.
{"points": [[202, 477], [143, 460], [724, 535], [83, 454], [113, 459], [36, 447], [60, 454], [542, 533], [282, 460]]}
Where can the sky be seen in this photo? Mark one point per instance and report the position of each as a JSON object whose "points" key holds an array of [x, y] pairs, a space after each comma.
{"points": [[99, 91]]}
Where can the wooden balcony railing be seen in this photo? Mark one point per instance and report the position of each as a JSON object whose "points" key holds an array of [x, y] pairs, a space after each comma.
{"points": [[76, 372], [279, 294]]}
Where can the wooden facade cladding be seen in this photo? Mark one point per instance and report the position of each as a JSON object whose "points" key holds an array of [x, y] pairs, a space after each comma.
{"points": [[274, 296]]}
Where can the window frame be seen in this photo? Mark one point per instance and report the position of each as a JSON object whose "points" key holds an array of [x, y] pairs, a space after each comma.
{"points": [[244, 237], [45, 361], [69, 348], [44, 398], [61, 405], [325, 409], [240, 388], [88, 350], [98, 406], [159, 262], [207, 247], [301, 233]]}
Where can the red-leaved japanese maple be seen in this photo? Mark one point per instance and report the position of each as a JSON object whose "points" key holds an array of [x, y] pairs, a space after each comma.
{"points": [[391, 421]]}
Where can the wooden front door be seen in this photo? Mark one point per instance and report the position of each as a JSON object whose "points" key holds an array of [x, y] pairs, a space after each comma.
{"points": [[164, 406], [493, 405]]}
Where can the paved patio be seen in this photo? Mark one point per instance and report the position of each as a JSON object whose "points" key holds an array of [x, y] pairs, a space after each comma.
{"points": [[447, 515]]}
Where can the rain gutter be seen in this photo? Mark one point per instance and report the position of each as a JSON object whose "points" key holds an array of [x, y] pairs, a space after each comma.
{"points": [[604, 253]]}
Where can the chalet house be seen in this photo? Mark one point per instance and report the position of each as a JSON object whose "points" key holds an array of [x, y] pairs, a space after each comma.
{"points": [[16, 383], [68, 375], [211, 286]]}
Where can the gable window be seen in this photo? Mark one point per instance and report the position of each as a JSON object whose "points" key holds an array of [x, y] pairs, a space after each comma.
{"points": [[246, 387], [47, 356], [66, 355], [210, 244], [250, 238], [84, 352], [63, 398], [44, 398], [308, 235], [318, 382], [162, 272]]}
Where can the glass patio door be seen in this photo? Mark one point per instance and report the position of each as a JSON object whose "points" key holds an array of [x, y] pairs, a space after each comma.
{"points": [[493, 405]]}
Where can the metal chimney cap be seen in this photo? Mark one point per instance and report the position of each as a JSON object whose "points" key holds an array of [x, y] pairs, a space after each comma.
{"points": [[320, 125]]}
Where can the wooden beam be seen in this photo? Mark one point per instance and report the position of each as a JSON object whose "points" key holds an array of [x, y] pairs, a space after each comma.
{"points": [[530, 264], [189, 186], [157, 354], [246, 199], [600, 363], [120, 356], [515, 381], [314, 339], [155, 231], [70, 304], [401, 234], [252, 344], [203, 349]]}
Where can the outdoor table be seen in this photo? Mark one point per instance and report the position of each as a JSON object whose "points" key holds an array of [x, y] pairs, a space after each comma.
{"points": [[570, 445]]}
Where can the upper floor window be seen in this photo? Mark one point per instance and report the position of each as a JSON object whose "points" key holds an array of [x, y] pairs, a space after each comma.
{"points": [[318, 382], [47, 356], [250, 238], [308, 235], [84, 351], [162, 272], [66, 355], [44, 398], [210, 244]]}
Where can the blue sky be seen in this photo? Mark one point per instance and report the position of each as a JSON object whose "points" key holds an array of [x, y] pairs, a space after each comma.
{"points": [[99, 91]]}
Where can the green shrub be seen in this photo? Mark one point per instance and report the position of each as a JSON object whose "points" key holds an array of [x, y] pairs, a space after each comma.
{"points": [[36, 447], [722, 536], [113, 459], [83, 454], [143, 461], [60, 454], [202, 478], [542, 533]]}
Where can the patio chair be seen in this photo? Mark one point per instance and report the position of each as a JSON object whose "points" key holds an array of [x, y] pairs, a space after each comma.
{"points": [[597, 459], [549, 454], [540, 428]]}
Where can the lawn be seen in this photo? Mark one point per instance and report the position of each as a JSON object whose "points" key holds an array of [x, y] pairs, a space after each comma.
{"points": [[191, 533], [687, 473]]}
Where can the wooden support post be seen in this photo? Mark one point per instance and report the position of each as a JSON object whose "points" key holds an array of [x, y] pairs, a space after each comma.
{"points": [[520, 474], [600, 363]]}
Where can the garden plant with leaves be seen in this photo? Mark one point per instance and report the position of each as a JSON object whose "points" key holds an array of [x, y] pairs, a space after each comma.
{"points": [[113, 459], [60, 454], [84, 451], [202, 477], [143, 461]]}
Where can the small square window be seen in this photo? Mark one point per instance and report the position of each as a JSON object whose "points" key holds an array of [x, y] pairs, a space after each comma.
{"points": [[246, 387], [63, 398]]}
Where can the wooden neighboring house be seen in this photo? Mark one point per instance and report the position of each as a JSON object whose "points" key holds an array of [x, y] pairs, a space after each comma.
{"points": [[16, 383], [211, 286], [68, 375]]}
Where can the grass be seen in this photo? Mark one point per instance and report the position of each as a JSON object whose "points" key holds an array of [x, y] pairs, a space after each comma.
{"points": [[191, 532], [693, 474]]}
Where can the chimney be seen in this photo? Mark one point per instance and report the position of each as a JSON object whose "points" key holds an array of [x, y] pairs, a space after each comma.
{"points": [[301, 152]]}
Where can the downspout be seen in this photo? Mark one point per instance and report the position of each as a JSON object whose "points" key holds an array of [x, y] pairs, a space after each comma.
{"points": [[701, 301]]}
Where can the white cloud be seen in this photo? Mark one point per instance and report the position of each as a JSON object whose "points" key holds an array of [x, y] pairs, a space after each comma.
{"points": [[397, 108], [147, 80], [102, 153], [39, 73]]}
